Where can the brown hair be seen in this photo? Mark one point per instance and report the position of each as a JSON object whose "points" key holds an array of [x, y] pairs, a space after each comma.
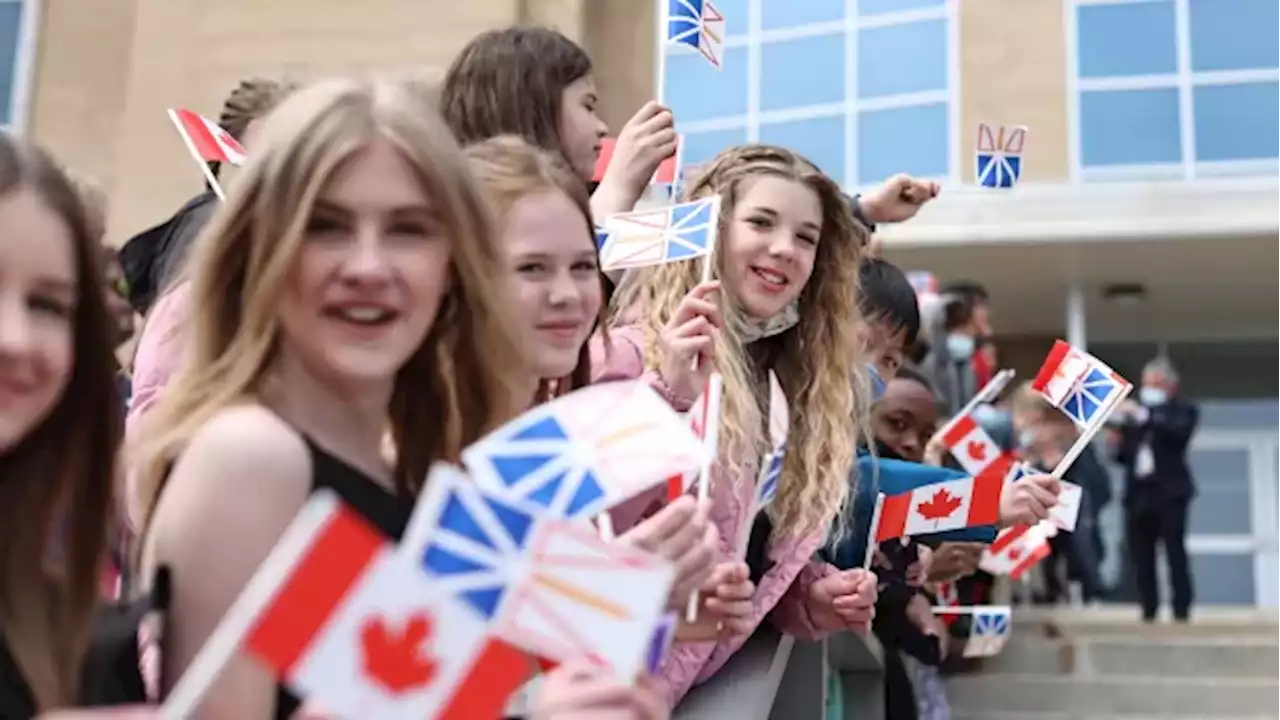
{"points": [[510, 82], [250, 100], [508, 169], [57, 481]]}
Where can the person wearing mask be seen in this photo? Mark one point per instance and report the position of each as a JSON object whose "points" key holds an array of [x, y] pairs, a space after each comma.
{"points": [[1151, 443], [950, 365]]}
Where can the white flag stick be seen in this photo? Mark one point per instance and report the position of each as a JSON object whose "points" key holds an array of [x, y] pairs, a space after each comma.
{"points": [[871, 534], [988, 392], [1087, 436], [195, 155], [227, 638], [604, 525], [711, 445]]}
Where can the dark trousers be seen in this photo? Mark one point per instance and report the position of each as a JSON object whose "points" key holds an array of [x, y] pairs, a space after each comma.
{"points": [[1165, 523]]}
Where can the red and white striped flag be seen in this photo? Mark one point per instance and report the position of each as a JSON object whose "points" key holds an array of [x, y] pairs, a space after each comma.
{"points": [[205, 139], [1017, 549], [942, 507], [666, 174], [348, 622], [970, 445]]}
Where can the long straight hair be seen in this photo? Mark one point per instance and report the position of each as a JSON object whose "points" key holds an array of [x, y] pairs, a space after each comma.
{"points": [[509, 168], [56, 484], [458, 384]]}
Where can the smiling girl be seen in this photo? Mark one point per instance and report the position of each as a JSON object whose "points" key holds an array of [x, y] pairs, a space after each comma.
{"points": [[349, 284], [549, 243], [783, 299], [60, 424]]}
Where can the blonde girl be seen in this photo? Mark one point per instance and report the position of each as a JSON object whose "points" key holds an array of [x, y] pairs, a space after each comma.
{"points": [[548, 240], [783, 297]]}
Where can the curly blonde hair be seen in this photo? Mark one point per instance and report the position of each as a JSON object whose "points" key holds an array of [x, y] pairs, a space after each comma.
{"points": [[825, 383]]}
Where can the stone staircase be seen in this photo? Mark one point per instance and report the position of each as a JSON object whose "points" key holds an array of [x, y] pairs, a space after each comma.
{"points": [[1083, 664]]}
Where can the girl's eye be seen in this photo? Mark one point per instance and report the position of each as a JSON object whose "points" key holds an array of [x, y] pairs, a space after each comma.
{"points": [[50, 306], [759, 222], [808, 239], [409, 229], [585, 266], [528, 268], [323, 226]]}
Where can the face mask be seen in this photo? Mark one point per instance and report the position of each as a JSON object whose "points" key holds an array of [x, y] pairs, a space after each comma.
{"points": [[1152, 396], [995, 421], [960, 347], [780, 323], [877, 383]]}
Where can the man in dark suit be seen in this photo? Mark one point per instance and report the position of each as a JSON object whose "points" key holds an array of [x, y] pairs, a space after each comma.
{"points": [[1153, 435]]}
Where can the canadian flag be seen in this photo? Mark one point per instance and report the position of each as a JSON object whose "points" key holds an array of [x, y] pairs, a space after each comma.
{"points": [[1062, 368], [970, 445], [1017, 549], [944, 506], [206, 139], [667, 170], [359, 629]]}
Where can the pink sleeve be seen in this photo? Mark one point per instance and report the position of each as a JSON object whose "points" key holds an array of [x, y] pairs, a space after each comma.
{"points": [[791, 614], [159, 353], [622, 358]]}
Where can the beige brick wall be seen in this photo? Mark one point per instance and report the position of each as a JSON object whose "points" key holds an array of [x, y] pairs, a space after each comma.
{"points": [[106, 71], [78, 88], [1013, 72]]}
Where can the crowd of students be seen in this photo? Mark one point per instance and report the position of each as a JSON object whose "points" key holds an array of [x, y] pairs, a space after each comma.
{"points": [[398, 269]]}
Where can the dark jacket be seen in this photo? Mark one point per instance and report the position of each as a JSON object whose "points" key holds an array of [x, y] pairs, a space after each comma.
{"points": [[152, 259], [1167, 431]]}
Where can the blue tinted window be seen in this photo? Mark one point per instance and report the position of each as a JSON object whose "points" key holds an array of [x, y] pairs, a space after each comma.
{"points": [[697, 91], [879, 7], [821, 140], [805, 71], [1129, 127], [790, 13], [882, 69], [10, 32], [911, 140], [701, 147], [1129, 39], [1237, 122], [1234, 34]]}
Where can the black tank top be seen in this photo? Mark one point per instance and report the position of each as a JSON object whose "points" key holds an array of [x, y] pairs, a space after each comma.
{"points": [[388, 513]]}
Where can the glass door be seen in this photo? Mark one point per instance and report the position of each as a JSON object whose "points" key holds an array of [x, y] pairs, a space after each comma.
{"points": [[1232, 529]]}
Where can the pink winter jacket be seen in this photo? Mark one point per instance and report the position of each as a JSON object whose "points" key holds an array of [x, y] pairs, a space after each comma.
{"points": [[781, 593], [159, 353]]}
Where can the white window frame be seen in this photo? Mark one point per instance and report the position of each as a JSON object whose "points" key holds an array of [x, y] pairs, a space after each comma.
{"points": [[22, 83], [756, 37], [1184, 80]]}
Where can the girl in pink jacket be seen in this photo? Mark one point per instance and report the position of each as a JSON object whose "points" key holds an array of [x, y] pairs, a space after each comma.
{"points": [[783, 298]]}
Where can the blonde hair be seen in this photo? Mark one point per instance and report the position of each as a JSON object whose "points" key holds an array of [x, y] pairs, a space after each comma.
{"points": [[459, 383], [509, 168], [813, 361]]}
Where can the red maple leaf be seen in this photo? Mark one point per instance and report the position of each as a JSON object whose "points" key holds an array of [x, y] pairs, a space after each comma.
{"points": [[977, 450], [1015, 553], [939, 506], [395, 659]]}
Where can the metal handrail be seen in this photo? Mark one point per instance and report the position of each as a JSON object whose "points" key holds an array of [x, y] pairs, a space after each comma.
{"points": [[777, 677]]}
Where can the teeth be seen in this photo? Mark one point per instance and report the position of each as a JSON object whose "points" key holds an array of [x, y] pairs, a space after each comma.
{"points": [[363, 314], [771, 276]]}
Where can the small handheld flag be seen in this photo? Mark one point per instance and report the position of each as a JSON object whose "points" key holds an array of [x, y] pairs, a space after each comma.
{"points": [[686, 231], [207, 142], [998, 160], [699, 25]]}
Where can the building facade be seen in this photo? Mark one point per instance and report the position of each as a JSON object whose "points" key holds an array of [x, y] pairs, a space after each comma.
{"points": [[1151, 157]]}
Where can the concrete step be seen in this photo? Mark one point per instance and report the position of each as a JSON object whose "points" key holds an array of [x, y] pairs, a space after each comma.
{"points": [[1124, 620], [1024, 694], [1140, 655]]}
